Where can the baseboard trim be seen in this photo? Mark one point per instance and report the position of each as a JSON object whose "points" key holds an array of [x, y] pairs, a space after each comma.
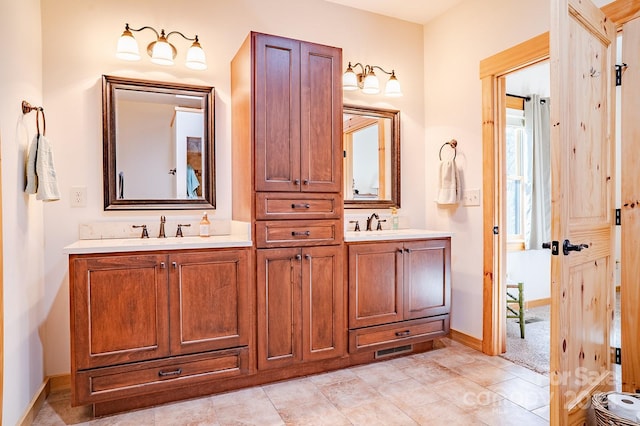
{"points": [[53, 383], [465, 339], [528, 304]]}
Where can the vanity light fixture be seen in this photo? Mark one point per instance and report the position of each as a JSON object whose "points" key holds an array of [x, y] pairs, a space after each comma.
{"points": [[161, 51], [367, 81]]}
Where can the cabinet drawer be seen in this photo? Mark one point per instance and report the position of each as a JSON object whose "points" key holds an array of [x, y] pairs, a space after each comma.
{"points": [[298, 233], [400, 333], [270, 205], [104, 384]]}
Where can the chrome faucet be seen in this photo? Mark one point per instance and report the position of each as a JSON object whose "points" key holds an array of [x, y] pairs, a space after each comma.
{"points": [[369, 219], [162, 221]]}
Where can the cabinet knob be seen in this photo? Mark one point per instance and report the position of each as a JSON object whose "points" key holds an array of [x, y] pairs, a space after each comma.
{"points": [[399, 250], [407, 250], [298, 257], [174, 264], [307, 256], [305, 182], [296, 182], [162, 265]]}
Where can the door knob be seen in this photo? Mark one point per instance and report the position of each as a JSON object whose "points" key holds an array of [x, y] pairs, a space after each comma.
{"points": [[567, 247]]}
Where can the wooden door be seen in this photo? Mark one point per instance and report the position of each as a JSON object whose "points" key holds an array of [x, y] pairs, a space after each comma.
{"points": [[321, 118], [323, 332], [629, 289], [427, 282], [277, 113], [279, 304], [582, 51], [119, 309], [209, 302], [375, 284]]}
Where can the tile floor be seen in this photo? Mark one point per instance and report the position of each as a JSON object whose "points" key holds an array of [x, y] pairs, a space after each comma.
{"points": [[451, 385]]}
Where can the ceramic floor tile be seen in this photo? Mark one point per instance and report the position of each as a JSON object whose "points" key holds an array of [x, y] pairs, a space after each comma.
{"points": [[528, 375], [196, 412], [523, 393], [430, 373], [543, 412], [350, 393], [245, 407], [379, 374], [441, 413], [319, 413], [293, 392], [483, 374], [505, 412], [378, 412], [332, 377], [408, 393], [466, 394]]}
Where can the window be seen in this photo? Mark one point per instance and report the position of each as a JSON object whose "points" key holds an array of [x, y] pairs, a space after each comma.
{"points": [[516, 160]]}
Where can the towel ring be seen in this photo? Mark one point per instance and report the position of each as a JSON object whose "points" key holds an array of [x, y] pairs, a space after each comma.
{"points": [[452, 143], [27, 108]]}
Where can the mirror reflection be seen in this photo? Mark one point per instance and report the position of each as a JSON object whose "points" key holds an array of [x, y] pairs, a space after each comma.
{"points": [[371, 141], [158, 145]]}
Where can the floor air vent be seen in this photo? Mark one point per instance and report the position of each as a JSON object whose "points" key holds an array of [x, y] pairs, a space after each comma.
{"points": [[393, 351]]}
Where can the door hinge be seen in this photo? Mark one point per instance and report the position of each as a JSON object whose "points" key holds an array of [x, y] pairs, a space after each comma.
{"points": [[495, 230], [616, 356], [620, 69], [618, 217]]}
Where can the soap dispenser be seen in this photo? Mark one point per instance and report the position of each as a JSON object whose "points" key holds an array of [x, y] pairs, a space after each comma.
{"points": [[394, 218], [204, 225]]}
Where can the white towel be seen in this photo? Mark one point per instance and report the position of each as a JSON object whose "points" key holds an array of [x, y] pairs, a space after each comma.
{"points": [[41, 173], [449, 183]]}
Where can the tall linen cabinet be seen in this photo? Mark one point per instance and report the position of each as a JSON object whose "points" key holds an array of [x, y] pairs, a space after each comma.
{"points": [[286, 101]]}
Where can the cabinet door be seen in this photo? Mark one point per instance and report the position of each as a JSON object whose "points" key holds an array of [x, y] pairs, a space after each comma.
{"points": [[279, 304], [277, 113], [375, 284], [427, 282], [323, 332], [209, 300], [119, 309], [321, 118]]}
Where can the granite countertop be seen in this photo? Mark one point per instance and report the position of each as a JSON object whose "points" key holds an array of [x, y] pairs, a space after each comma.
{"points": [[395, 234], [116, 245]]}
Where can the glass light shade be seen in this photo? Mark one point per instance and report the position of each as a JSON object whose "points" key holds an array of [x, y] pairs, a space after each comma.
{"points": [[349, 80], [371, 84], [392, 88], [127, 47], [162, 52], [196, 59]]}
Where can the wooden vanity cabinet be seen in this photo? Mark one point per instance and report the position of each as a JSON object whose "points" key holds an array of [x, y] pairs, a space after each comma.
{"points": [[399, 292], [300, 305], [158, 321]]}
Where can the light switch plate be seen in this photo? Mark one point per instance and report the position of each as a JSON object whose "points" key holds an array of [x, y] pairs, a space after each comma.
{"points": [[471, 197]]}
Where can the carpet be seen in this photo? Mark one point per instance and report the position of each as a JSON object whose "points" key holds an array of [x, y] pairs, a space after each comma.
{"points": [[532, 352]]}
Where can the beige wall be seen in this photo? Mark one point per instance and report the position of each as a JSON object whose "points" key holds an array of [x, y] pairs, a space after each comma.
{"points": [[455, 44], [23, 236], [79, 39]]}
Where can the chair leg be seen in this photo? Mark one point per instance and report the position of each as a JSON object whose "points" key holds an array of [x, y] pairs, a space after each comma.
{"points": [[521, 306]]}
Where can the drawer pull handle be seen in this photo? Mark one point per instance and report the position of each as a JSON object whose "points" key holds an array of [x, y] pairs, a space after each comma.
{"points": [[403, 333], [300, 206], [300, 234], [170, 373]]}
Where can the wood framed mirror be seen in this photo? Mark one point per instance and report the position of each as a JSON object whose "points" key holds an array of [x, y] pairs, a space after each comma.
{"points": [[371, 144], [158, 145]]}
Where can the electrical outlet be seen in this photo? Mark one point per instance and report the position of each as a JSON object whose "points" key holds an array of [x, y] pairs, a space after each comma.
{"points": [[471, 197], [78, 196]]}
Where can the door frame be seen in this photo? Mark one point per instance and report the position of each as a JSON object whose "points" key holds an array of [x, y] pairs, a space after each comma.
{"points": [[492, 72]]}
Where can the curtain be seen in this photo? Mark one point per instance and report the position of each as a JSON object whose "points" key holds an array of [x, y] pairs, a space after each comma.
{"points": [[537, 173]]}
